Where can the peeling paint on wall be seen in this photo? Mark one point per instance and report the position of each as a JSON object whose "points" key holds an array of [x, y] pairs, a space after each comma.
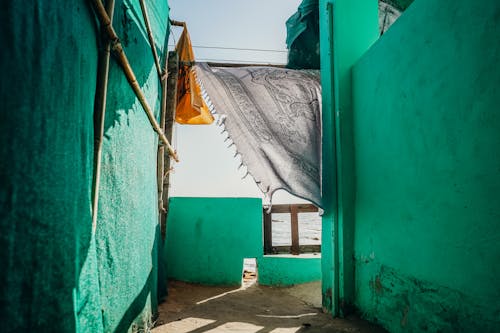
{"points": [[404, 303]]}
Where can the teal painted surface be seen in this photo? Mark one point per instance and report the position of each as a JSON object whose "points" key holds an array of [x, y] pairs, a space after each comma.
{"points": [[57, 276], [48, 64], [347, 29], [208, 238], [127, 235], [328, 175], [427, 132], [288, 270]]}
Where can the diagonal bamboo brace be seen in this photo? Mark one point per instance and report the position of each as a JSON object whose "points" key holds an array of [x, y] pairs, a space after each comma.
{"points": [[119, 53]]}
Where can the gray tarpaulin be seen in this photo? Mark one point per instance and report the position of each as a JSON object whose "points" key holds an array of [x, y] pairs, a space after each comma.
{"points": [[273, 116]]}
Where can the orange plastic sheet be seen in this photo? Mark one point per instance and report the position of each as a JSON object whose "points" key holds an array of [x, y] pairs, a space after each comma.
{"points": [[191, 108]]}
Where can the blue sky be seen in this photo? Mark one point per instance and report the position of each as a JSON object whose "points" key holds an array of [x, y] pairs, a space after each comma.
{"points": [[207, 167], [237, 24]]}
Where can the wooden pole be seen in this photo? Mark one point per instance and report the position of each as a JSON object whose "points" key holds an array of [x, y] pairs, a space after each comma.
{"points": [[124, 63], [160, 158], [295, 249], [151, 39], [100, 113], [225, 64], [177, 23], [170, 105], [302, 208], [268, 232]]}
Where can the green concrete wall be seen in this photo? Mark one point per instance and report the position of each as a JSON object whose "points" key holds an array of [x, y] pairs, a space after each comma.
{"points": [[427, 136], [288, 270], [57, 276], [208, 238], [347, 29]]}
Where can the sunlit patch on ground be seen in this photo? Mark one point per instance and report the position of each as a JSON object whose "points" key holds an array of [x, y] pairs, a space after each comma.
{"points": [[192, 308]]}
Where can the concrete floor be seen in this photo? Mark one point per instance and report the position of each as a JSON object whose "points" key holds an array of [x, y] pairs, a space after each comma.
{"points": [[250, 309]]}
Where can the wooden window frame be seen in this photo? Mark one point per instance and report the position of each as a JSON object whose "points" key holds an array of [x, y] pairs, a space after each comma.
{"points": [[293, 210]]}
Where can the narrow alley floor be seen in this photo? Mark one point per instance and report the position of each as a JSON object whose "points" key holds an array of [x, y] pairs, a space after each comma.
{"points": [[251, 309]]}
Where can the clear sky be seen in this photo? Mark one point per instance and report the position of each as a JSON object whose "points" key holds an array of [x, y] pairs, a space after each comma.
{"points": [[207, 167]]}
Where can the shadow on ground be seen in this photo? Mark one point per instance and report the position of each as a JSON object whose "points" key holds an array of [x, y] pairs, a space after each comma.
{"points": [[256, 309]]}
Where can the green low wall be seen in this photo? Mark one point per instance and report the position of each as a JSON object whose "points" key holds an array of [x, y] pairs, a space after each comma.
{"points": [[427, 136], [208, 238], [287, 270]]}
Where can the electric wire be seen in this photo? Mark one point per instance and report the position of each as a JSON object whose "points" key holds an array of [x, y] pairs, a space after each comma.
{"points": [[238, 49], [235, 48], [237, 61]]}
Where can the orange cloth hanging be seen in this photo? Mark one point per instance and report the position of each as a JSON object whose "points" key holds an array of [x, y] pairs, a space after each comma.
{"points": [[191, 108]]}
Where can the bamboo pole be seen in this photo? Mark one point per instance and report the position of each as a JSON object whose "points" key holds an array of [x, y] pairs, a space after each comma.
{"points": [[100, 113], [160, 156], [170, 105], [150, 37], [160, 162], [123, 61], [177, 23]]}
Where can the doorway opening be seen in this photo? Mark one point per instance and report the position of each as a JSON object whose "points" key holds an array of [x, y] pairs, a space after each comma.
{"points": [[249, 272]]}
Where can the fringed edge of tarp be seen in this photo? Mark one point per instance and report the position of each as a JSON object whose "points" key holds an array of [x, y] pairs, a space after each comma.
{"points": [[268, 192]]}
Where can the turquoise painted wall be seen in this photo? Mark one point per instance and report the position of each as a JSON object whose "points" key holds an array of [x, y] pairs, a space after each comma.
{"points": [[127, 235], [287, 270], [427, 137], [208, 238], [57, 276], [347, 29]]}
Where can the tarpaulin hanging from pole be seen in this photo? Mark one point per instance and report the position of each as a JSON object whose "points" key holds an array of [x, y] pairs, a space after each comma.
{"points": [[273, 116]]}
